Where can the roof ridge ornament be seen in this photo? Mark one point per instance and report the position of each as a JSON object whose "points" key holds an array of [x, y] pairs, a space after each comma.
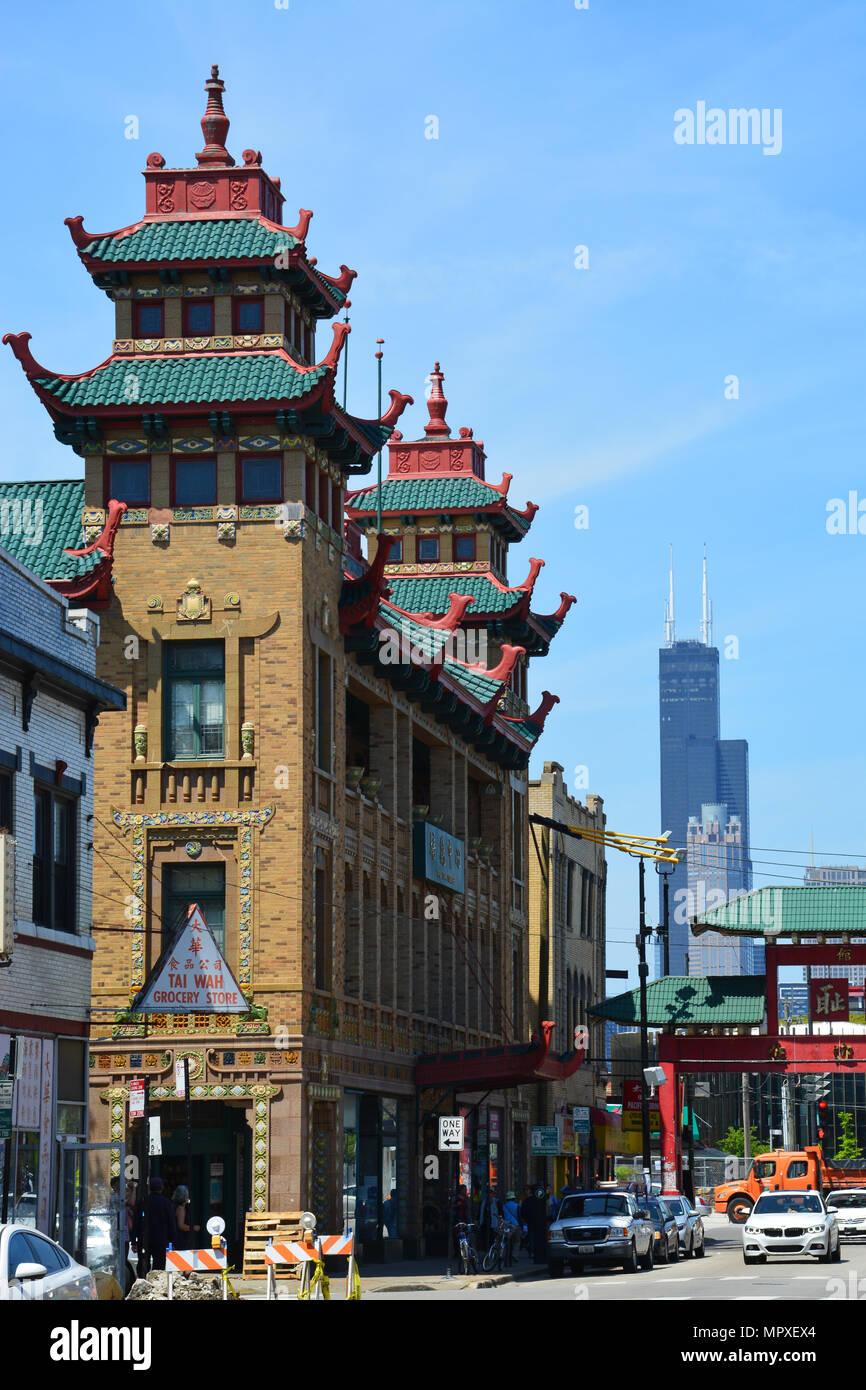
{"points": [[214, 123], [437, 405]]}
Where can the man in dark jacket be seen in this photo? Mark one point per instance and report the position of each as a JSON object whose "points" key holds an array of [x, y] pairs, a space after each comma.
{"points": [[154, 1228]]}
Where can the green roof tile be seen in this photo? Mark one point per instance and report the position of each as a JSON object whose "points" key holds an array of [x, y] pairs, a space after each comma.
{"points": [[427, 642], [813, 910], [423, 594], [204, 239], [427, 494], [37, 520], [153, 381], [679, 1000], [482, 687]]}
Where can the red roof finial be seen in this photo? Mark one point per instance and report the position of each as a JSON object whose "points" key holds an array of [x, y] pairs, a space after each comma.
{"points": [[214, 123], [437, 405]]}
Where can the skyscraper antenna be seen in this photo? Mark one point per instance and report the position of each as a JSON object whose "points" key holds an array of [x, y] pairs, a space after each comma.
{"points": [[670, 631], [707, 609]]}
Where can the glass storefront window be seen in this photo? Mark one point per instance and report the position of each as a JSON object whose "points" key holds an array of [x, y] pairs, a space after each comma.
{"points": [[389, 1168], [350, 1159]]}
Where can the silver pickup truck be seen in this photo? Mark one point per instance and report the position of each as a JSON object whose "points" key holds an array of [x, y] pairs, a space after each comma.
{"points": [[605, 1228]]}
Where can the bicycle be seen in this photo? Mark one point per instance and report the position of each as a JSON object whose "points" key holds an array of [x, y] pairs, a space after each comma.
{"points": [[499, 1253], [464, 1231]]}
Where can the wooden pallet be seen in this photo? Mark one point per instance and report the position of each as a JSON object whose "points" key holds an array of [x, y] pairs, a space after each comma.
{"points": [[261, 1227]]}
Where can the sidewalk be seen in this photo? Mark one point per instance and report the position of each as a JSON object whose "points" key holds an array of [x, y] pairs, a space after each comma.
{"points": [[404, 1276]]}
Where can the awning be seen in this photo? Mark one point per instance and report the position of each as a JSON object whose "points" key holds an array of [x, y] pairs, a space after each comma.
{"points": [[489, 1068]]}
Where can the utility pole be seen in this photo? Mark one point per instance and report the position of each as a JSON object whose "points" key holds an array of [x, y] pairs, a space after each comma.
{"points": [[747, 1120], [643, 970], [666, 869]]}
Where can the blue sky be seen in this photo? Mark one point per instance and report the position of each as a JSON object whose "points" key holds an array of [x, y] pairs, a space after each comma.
{"points": [[601, 386]]}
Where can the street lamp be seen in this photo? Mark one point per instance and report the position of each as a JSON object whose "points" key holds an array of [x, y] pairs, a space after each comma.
{"points": [[666, 868]]}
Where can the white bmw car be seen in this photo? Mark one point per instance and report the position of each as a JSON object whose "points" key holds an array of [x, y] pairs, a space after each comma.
{"points": [[791, 1223], [850, 1209]]}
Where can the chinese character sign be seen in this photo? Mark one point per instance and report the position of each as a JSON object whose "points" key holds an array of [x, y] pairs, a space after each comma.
{"points": [[828, 1000]]}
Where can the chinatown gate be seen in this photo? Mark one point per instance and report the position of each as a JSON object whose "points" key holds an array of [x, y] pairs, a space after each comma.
{"points": [[729, 1023]]}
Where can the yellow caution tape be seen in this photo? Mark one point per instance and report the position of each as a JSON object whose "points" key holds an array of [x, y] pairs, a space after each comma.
{"points": [[356, 1284], [319, 1277]]}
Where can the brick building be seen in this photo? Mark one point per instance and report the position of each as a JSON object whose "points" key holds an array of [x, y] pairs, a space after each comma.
{"points": [[313, 750], [50, 701], [567, 932]]}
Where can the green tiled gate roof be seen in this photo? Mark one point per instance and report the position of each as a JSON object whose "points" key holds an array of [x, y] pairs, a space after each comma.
{"points": [[38, 519], [429, 594], [151, 381], [802, 911], [199, 239], [683, 999]]}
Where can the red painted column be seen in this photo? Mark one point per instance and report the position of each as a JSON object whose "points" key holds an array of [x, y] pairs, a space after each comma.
{"points": [[772, 989], [668, 1095]]}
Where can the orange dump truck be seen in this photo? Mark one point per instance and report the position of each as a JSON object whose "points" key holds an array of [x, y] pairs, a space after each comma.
{"points": [[786, 1171]]}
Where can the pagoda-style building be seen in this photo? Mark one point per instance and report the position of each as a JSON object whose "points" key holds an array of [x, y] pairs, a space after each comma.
{"points": [[325, 751]]}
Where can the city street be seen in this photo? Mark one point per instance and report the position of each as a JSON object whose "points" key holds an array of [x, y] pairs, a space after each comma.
{"points": [[721, 1275]]}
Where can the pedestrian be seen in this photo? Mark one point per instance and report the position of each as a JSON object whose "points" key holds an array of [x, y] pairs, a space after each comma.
{"points": [[536, 1220], [155, 1228], [182, 1220], [524, 1218], [511, 1218]]}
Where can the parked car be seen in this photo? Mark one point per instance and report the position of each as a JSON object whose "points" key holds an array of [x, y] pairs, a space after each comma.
{"points": [[690, 1225], [666, 1238], [34, 1267], [607, 1228], [791, 1223], [850, 1209]]}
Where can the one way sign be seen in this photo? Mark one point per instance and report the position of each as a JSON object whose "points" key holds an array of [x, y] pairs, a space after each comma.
{"points": [[451, 1133]]}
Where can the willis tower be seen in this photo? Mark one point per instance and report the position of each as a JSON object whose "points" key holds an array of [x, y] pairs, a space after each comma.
{"points": [[700, 773]]}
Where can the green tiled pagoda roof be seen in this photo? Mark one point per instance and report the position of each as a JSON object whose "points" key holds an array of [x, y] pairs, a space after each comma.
{"points": [[482, 687], [406, 495], [525, 728], [38, 519], [197, 239], [207, 239], [426, 640], [242, 376], [679, 1000], [429, 594], [801, 911]]}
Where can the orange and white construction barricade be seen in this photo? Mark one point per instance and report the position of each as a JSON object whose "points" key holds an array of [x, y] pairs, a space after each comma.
{"points": [[315, 1283], [289, 1252], [196, 1262]]}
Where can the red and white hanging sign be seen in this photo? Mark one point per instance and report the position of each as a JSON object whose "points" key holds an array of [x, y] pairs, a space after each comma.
{"points": [[191, 975], [136, 1100]]}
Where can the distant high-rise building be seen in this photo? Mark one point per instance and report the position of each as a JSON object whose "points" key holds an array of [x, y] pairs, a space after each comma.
{"points": [[698, 769], [716, 872], [839, 875]]}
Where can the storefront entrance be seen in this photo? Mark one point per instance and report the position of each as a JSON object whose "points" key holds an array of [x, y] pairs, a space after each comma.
{"points": [[220, 1178]]}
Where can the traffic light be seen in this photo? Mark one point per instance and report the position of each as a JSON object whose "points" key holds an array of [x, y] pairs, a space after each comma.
{"points": [[822, 1119]]}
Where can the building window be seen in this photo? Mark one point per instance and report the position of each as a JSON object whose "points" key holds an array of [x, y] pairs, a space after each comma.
{"points": [[54, 861], [262, 479], [298, 332], [428, 548], [248, 315], [198, 317], [7, 803], [324, 496], [310, 484], [71, 1088], [195, 700], [395, 555], [202, 884], [324, 734], [308, 343], [464, 547], [194, 482], [129, 481], [337, 508], [148, 319]]}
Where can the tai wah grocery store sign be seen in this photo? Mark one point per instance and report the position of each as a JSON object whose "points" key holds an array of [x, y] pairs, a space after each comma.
{"points": [[190, 976]]}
